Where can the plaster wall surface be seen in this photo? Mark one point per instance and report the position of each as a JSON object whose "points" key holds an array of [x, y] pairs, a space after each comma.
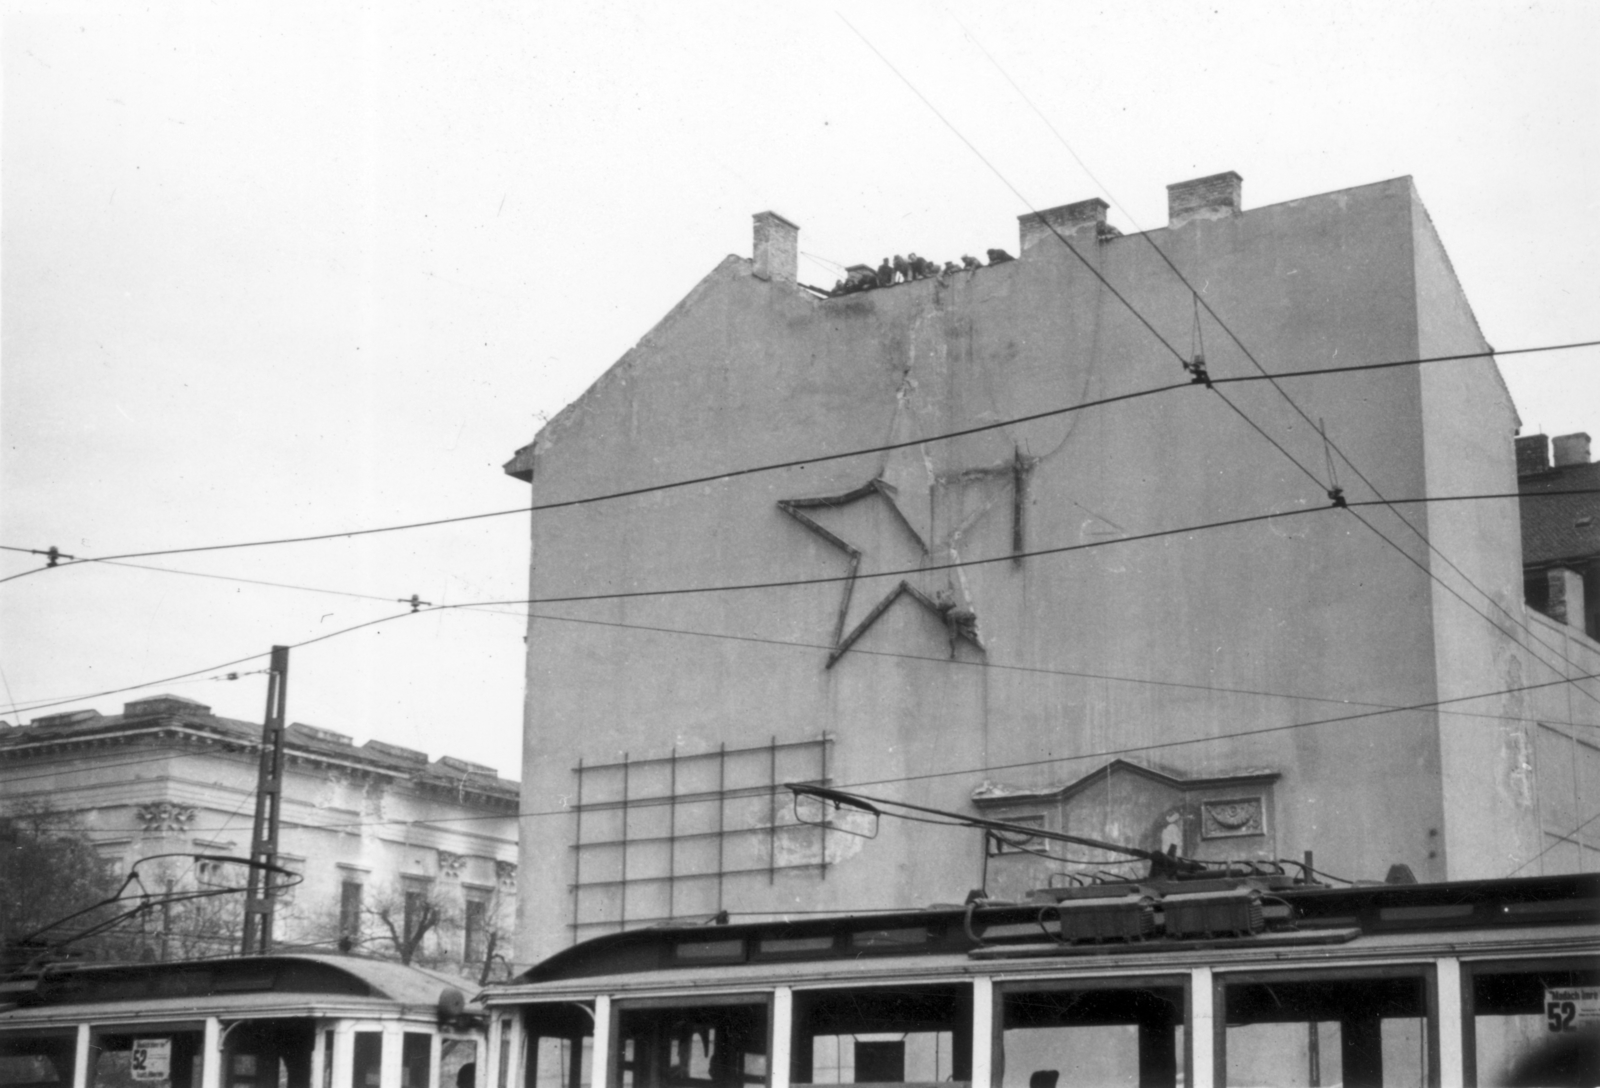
{"points": [[1137, 622]]}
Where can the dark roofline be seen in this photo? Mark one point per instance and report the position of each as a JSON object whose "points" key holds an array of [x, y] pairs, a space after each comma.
{"points": [[37, 740]]}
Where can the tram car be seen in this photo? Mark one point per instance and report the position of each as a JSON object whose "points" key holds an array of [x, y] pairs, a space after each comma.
{"points": [[277, 1021], [1257, 980]]}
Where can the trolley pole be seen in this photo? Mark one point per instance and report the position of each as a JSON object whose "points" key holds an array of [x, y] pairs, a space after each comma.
{"points": [[258, 900]]}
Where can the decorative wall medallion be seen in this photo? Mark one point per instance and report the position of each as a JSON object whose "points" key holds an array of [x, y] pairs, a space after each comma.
{"points": [[1232, 818], [506, 873], [161, 816], [450, 865]]}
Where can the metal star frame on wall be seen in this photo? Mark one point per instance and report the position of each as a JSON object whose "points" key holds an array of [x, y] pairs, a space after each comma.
{"points": [[960, 619]]}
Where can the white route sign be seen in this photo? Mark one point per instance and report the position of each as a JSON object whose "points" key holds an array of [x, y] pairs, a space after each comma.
{"points": [[152, 1059], [1569, 1008]]}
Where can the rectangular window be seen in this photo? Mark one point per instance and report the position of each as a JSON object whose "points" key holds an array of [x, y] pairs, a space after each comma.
{"points": [[901, 1035], [45, 1058], [415, 913], [416, 1052], [367, 1066], [350, 910], [560, 1045], [1067, 1035], [1352, 1028], [475, 936], [692, 1046], [1523, 1023]]}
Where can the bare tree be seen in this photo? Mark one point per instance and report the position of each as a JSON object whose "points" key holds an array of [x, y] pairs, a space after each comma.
{"points": [[406, 921]]}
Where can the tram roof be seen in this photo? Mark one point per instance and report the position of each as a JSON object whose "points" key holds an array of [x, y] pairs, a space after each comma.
{"points": [[1359, 922], [239, 987]]}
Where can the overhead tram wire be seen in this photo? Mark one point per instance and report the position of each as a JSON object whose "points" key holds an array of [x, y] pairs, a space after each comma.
{"points": [[1268, 376], [1561, 840], [780, 465], [530, 602], [1201, 301], [685, 591], [659, 802], [27, 706]]}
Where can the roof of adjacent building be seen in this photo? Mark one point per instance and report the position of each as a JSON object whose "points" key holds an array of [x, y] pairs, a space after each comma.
{"points": [[173, 715], [1560, 528]]}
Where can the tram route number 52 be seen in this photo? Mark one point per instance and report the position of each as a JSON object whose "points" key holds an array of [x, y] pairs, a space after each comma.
{"points": [[1571, 1008], [151, 1059]]}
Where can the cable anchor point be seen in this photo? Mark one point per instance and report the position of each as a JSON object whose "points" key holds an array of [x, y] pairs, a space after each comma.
{"points": [[1197, 370], [54, 556], [1336, 496], [416, 603]]}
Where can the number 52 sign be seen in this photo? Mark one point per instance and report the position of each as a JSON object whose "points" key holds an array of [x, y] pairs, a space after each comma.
{"points": [[1571, 1008], [151, 1059]]}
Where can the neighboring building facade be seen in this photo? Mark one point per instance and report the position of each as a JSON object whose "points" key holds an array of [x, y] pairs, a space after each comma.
{"points": [[1561, 581], [378, 833], [1079, 620], [1561, 532]]}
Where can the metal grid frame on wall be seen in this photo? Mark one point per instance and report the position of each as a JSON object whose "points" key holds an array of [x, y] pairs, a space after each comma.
{"points": [[663, 837]]}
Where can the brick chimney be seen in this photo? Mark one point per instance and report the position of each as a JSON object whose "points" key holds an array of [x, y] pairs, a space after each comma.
{"points": [[1069, 219], [1533, 454], [777, 248], [1214, 197], [1571, 449]]}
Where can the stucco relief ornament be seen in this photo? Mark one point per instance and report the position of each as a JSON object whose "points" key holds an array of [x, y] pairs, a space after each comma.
{"points": [[1226, 818], [506, 873], [935, 509], [450, 864], [162, 816]]}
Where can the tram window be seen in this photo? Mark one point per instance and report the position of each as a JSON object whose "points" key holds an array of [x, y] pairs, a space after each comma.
{"points": [[1083, 1037], [44, 1058], [1524, 1025], [458, 1063], [693, 1046], [367, 1067], [1357, 1032], [268, 1054], [416, 1053], [912, 1035], [560, 1045], [137, 1059]]}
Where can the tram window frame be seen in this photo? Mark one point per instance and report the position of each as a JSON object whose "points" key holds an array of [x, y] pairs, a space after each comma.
{"points": [[561, 1022], [1180, 981], [45, 1044], [961, 1028], [1473, 969], [132, 1031], [1426, 971], [621, 1007]]}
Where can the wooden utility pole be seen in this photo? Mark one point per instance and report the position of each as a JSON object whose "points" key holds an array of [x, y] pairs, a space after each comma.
{"points": [[258, 900]]}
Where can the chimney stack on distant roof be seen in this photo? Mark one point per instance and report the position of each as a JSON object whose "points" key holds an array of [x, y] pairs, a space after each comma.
{"points": [[1533, 454], [1067, 220], [777, 248], [1571, 449], [1214, 197]]}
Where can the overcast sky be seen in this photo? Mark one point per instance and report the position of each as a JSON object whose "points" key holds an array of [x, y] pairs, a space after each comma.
{"points": [[284, 269]]}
